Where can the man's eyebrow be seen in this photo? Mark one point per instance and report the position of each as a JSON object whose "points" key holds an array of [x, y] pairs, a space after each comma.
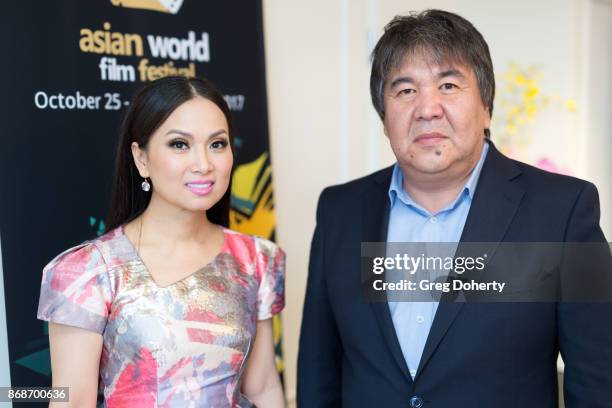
{"points": [[190, 136], [401, 80], [451, 73]]}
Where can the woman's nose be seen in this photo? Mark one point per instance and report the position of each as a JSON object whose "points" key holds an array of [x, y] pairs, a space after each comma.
{"points": [[201, 162]]}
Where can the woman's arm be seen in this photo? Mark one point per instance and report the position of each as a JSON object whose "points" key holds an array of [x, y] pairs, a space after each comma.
{"points": [[75, 361], [261, 382]]}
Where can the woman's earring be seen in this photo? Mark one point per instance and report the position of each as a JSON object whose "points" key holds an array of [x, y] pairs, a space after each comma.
{"points": [[146, 186]]}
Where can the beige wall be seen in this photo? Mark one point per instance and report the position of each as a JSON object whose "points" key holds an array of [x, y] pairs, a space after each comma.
{"points": [[324, 131], [318, 102]]}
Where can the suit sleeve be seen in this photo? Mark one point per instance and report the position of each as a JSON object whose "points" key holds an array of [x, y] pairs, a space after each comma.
{"points": [[320, 352], [585, 329]]}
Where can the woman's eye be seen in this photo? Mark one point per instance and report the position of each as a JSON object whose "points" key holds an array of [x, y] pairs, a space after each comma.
{"points": [[218, 144], [178, 144]]}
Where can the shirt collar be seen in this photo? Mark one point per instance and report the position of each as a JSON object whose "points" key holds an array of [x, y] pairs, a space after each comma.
{"points": [[396, 188]]}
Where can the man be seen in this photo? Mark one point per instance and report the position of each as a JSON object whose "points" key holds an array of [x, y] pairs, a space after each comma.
{"points": [[432, 84]]}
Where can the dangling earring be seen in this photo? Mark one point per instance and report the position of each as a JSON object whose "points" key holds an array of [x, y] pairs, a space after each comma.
{"points": [[146, 186]]}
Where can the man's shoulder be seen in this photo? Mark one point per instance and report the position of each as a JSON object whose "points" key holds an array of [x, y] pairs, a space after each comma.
{"points": [[353, 189], [533, 178]]}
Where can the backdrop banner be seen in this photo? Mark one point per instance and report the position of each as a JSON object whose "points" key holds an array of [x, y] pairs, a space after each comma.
{"points": [[70, 68]]}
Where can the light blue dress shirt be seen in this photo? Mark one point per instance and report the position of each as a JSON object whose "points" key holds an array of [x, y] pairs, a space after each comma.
{"points": [[409, 222]]}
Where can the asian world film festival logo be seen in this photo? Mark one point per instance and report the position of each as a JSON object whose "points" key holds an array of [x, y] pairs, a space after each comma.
{"points": [[164, 6]]}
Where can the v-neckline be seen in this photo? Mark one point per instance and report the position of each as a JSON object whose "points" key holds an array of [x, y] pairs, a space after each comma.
{"points": [[138, 259]]}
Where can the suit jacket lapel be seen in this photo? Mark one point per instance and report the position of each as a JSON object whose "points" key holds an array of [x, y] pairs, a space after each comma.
{"points": [[375, 218], [494, 205]]}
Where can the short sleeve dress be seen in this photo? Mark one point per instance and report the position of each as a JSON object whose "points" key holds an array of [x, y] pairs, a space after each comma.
{"points": [[182, 345]]}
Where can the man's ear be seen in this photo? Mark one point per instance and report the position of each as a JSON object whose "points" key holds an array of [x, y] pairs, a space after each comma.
{"points": [[382, 120], [140, 160], [487, 121]]}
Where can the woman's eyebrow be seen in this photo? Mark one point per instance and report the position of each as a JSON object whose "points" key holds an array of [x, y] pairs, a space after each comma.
{"points": [[190, 136], [217, 133], [180, 132]]}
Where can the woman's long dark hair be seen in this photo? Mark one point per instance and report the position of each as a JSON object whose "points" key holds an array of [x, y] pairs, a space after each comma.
{"points": [[149, 108]]}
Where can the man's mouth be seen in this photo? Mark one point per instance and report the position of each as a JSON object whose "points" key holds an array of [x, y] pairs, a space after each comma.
{"points": [[430, 139]]}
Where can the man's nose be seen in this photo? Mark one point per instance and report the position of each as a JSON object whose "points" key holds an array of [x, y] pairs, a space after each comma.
{"points": [[429, 105]]}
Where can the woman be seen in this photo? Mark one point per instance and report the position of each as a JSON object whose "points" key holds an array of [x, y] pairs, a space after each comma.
{"points": [[164, 307]]}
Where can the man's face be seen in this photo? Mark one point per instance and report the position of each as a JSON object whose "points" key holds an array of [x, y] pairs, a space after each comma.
{"points": [[434, 117]]}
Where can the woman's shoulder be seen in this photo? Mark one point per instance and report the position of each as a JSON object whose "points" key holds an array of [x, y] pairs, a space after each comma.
{"points": [[255, 241], [250, 246], [77, 288], [84, 256], [95, 253], [262, 257]]}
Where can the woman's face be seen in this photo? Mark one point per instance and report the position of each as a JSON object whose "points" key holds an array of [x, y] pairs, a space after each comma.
{"points": [[189, 157]]}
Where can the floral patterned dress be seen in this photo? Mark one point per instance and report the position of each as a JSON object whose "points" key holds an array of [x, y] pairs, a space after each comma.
{"points": [[182, 345]]}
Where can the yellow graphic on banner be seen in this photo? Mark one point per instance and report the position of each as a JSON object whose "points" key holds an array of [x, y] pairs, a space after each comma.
{"points": [[278, 349], [164, 6], [252, 200], [252, 212]]}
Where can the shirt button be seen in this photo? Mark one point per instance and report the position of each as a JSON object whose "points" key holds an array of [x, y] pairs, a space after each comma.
{"points": [[413, 373], [433, 220], [420, 319], [416, 402]]}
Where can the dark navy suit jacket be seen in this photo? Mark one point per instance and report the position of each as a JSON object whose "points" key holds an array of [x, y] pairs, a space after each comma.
{"points": [[490, 355]]}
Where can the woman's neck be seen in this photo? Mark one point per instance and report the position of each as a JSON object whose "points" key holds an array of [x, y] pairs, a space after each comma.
{"points": [[165, 223]]}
